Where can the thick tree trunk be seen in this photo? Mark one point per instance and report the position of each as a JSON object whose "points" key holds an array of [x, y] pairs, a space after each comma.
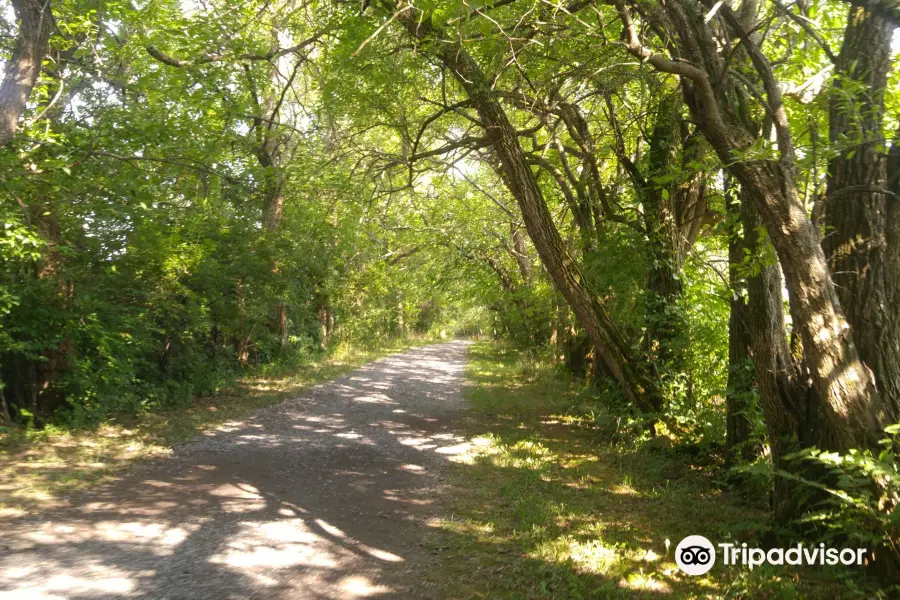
{"points": [[22, 69], [739, 393], [33, 381], [56, 360], [273, 203], [863, 256], [609, 343], [856, 413], [783, 395]]}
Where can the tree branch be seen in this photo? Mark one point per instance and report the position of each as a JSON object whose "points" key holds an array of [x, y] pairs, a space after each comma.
{"points": [[204, 59]]}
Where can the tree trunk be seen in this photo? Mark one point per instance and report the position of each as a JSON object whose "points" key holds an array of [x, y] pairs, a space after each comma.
{"points": [[242, 339], [856, 413], [273, 202], [855, 410], [45, 398], [782, 394], [23, 67], [323, 323], [609, 343], [520, 253], [401, 321], [864, 262], [739, 393], [272, 209], [5, 415], [666, 325]]}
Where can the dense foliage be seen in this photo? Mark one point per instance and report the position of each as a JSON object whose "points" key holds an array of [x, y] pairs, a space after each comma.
{"points": [[691, 204]]}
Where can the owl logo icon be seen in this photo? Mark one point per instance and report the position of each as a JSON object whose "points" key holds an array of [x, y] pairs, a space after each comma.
{"points": [[695, 555]]}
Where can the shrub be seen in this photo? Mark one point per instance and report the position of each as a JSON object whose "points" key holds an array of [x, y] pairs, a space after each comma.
{"points": [[860, 495]]}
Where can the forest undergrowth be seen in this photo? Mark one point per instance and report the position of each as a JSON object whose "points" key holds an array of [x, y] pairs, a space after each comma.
{"points": [[559, 498]]}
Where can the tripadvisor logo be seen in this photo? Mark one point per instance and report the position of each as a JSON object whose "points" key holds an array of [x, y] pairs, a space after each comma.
{"points": [[696, 555]]}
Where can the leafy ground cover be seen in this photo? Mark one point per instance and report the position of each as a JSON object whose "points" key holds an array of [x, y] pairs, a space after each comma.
{"points": [[558, 500], [39, 466]]}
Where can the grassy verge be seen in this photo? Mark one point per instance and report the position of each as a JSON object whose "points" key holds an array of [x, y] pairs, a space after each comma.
{"points": [[37, 467], [545, 506]]}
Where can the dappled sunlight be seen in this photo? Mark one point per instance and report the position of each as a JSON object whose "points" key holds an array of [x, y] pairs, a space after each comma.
{"points": [[10, 512], [398, 496], [63, 461], [374, 398], [543, 503], [412, 468], [592, 555], [623, 489], [317, 546], [59, 587], [645, 582], [278, 545], [238, 498], [158, 538], [361, 587], [382, 555], [323, 496], [524, 454], [420, 443], [454, 450], [38, 466]]}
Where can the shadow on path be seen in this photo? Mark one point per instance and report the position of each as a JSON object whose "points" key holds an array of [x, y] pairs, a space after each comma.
{"points": [[323, 496]]}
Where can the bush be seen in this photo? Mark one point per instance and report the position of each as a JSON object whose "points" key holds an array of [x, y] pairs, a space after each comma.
{"points": [[861, 493]]}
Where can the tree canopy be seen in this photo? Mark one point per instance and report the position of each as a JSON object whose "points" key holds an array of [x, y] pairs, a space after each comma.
{"points": [[692, 204]]}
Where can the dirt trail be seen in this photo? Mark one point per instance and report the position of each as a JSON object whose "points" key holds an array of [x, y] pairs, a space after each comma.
{"points": [[323, 496]]}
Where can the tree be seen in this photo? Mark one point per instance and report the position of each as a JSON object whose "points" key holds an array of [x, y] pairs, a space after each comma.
{"points": [[846, 391], [609, 343], [24, 65], [860, 216]]}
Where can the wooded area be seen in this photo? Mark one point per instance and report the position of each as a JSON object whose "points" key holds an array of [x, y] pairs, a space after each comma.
{"points": [[694, 205]]}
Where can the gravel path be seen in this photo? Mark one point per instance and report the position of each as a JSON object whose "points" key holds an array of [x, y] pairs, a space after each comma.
{"points": [[323, 496]]}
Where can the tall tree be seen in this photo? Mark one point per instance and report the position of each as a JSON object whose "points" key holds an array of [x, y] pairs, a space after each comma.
{"points": [[856, 413], [21, 71], [861, 216], [628, 370], [670, 192]]}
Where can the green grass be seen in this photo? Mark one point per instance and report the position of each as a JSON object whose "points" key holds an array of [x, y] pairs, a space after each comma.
{"points": [[37, 467], [559, 499]]}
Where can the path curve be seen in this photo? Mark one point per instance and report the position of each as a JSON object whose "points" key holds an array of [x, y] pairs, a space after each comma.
{"points": [[323, 496]]}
